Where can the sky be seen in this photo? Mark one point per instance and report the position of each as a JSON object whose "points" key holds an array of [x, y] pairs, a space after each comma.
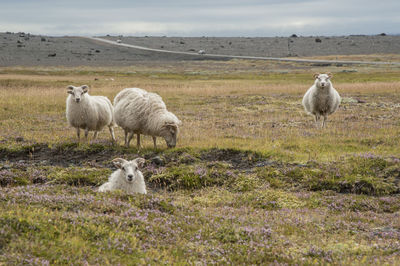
{"points": [[190, 18]]}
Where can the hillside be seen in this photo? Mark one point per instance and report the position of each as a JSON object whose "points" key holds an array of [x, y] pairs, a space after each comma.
{"points": [[23, 49]]}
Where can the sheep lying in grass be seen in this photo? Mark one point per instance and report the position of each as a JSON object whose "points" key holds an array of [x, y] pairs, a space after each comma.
{"points": [[321, 99], [90, 113], [140, 112], [127, 177]]}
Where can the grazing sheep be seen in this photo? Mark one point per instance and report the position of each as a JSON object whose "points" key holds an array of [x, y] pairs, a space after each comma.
{"points": [[321, 99], [90, 113], [140, 112], [127, 177]]}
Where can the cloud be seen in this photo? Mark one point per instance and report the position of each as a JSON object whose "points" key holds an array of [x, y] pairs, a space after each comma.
{"points": [[200, 18]]}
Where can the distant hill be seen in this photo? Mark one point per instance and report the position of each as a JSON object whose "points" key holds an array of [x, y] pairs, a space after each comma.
{"points": [[24, 49]]}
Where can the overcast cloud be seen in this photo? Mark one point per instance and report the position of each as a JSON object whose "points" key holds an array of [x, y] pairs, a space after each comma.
{"points": [[200, 18]]}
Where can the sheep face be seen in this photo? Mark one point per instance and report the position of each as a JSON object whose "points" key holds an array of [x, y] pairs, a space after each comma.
{"points": [[170, 132], [322, 80], [78, 93], [130, 169]]}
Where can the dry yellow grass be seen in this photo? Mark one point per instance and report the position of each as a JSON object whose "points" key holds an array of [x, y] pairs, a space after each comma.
{"points": [[262, 113]]}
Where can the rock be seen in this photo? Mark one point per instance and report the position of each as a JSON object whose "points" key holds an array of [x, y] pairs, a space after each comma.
{"points": [[97, 51], [44, 162], [360, 101], [382, 34], [349, 100], [322, 64], [264, 163], [157, 160], [52, 55], [318, 40], [293, 36], [43, 39], [349, 70]]}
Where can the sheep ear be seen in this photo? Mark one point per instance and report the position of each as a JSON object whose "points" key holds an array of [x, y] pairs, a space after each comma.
{"points": [[140, 162], [118, 162], [174, 127], [316, 75], [330, 75], [169, 124], [85, 88], [70, 89]]}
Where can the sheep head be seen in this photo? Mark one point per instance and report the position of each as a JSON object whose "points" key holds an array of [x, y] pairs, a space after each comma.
{"points": [[170, 132], [77, 92], [322, 80], [130, 169]]}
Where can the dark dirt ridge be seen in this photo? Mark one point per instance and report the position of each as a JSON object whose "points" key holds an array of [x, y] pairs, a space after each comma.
{"points": [[294, 175], [101, 155], [24, 49]]}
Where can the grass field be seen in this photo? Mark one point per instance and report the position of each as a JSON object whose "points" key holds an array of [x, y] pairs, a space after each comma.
{"points": [[252, 180]]}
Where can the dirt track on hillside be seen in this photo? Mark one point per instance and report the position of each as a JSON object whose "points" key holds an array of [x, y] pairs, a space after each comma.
{"points": [[17, 49]]}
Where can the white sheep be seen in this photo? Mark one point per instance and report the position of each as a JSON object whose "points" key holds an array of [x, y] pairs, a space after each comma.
{"points": [[90, 113], [140, 112], [321, 99], [127, 177]]}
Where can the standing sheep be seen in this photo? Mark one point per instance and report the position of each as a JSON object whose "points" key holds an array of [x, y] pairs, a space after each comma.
{"points": [[128, 177], [140, 112], [90, 113], [321, 99]]}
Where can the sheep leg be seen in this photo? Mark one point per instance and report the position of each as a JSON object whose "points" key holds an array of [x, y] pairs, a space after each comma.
{"points": [[78, 133], [112, 134], [129, 139], [95, 135], [138, 141], [86, 133], [323, 121], [126, 137], [316, 117], [155, 142]]}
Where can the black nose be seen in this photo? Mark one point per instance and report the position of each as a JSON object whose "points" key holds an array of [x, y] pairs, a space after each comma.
{"points": [[78, 100], [130, 177]]}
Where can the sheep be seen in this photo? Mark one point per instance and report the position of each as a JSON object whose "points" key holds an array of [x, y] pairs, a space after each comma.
{"points": [[90, 113], [140, 112], [127, 177], [321, 99]]}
